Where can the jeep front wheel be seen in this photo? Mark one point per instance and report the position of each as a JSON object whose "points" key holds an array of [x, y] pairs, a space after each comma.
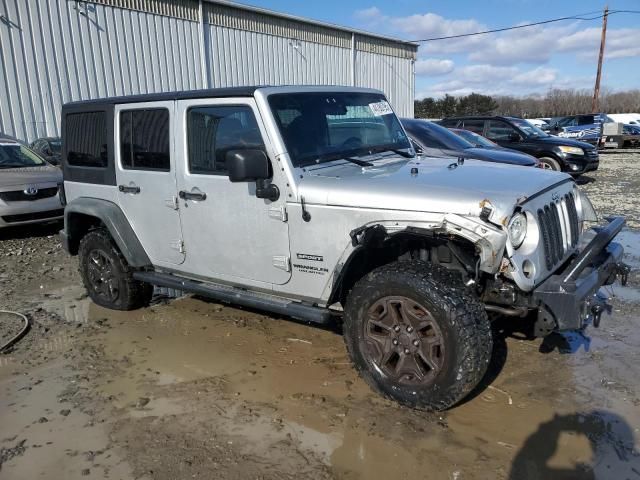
{"points": [[107, 276], [416, 335]]}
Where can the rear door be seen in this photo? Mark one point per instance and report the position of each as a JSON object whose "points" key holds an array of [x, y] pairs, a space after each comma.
{"points": [[146, 178]]}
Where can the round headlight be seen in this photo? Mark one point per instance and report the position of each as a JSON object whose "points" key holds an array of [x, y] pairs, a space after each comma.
{"points": [[517, 229]]}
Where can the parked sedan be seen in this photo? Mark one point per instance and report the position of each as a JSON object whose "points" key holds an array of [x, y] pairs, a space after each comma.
{"points": [[50, 148], [28, 186], [557, 153], [436, 141], [483, 142]]}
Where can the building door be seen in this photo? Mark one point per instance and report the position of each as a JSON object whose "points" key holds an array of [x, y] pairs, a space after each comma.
{"points": [[229, 233], [146, 177]]}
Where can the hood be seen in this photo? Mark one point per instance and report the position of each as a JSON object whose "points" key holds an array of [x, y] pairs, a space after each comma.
{"points": [[436, 187], [498, 155], [553, 140], [29, 176]]}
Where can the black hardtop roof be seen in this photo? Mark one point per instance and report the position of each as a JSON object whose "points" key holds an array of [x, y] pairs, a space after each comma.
{"points": [[167, 96]]}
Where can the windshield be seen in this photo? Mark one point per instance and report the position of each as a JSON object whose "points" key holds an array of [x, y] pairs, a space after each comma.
{"points": [[475, 139], [430, 135], [323, 126], [13, 155], [528, 129]]}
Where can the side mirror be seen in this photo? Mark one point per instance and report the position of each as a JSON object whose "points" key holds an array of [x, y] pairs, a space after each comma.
{"points": [[515, 137], [247, 165], [252, 165]]}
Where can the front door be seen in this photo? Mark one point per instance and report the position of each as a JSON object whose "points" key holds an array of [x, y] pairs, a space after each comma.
{"points": [[229, 233], [504, 135], [146, 176]]}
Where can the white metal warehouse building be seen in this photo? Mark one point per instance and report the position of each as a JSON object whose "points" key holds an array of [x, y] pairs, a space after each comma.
{"points": [[56, 51]]}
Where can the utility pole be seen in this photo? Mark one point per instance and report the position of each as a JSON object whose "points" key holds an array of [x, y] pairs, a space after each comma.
{"points": [[603, 38]]}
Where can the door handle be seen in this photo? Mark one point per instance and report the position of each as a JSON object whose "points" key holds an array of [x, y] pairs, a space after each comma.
{"points": [[129, 189], [199, 196]]}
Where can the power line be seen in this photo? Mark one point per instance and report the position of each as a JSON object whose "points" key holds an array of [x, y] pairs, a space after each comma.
{"points": [[580, 16]]}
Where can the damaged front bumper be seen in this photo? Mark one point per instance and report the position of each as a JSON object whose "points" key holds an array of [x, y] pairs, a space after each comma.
{"points": [[568, 299]]}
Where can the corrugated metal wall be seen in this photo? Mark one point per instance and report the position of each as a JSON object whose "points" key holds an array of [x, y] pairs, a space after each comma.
{"points": [[392, 75], [273, 60], [55, 51]]}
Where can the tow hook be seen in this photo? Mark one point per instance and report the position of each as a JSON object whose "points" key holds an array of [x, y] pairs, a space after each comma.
{"points": [[599, 305], [623, 270], [596, 311]]}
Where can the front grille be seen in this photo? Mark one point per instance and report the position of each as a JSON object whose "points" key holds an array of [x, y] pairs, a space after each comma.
{"points": [[559, 228], [26, 217], [20, 196]]}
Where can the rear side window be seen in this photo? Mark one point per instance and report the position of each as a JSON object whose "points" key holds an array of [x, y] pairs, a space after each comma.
{"points": [[86, 139], [213, 131], [145, 139], [476, 126]]}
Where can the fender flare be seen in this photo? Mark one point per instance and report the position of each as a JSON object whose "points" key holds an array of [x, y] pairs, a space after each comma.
{"points": [[115, 221]]}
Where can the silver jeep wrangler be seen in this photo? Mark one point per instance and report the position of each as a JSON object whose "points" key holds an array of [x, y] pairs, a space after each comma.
{"points": [[309, 202]]}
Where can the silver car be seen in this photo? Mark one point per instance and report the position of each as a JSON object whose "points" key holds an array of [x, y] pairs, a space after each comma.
{"points": [[28, 186]]}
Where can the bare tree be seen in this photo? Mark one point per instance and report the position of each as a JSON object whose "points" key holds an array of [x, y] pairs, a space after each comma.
{"points": [[555, 103]]}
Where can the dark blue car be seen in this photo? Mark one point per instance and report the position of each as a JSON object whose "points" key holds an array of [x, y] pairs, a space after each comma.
{"points": [[434, 140]]}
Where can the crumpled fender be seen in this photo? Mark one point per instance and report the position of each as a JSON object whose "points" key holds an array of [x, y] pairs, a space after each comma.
{"points": [[489, 239]]}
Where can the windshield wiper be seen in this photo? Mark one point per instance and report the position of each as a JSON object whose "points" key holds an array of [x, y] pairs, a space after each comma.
{"points": [[393, 150], [331, 158], [362, 163]]}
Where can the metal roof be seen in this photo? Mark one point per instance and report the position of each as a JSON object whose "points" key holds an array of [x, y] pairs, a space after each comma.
{"points": [[295, 18]]}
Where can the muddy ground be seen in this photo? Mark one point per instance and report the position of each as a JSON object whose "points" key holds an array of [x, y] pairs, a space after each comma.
{"points": [[192, 389]]}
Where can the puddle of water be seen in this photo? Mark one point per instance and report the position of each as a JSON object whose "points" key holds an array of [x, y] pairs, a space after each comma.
{"points": [[70, 302], [307, 393], [321, 405], [57, 445]]}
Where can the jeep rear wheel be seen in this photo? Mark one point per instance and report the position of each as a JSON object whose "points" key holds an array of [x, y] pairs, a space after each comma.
{"points": [[416, 335], [107, 276]]}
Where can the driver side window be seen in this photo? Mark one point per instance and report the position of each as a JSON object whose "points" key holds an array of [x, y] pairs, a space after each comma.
{"points": [[499, 131], [213, 131]]}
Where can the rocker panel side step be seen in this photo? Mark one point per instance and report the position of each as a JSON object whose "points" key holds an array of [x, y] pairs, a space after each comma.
{"points": [[235, 296]]}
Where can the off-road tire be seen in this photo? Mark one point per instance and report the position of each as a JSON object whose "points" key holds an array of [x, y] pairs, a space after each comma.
{"points": [[462, 320], [131, 293], [550, 163]]}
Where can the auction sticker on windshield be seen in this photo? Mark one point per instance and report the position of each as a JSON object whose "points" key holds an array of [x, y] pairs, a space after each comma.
{"points": [[380, 108]]}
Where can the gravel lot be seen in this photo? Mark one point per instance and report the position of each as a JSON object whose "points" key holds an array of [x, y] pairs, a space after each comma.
{"points": [[193, 389]]}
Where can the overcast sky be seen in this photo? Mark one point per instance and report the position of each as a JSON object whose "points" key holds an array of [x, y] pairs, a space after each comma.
{"points": [[529, 60]]}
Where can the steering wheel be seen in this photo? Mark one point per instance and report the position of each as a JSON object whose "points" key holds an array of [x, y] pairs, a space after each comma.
{"points": [[352, 142]]}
